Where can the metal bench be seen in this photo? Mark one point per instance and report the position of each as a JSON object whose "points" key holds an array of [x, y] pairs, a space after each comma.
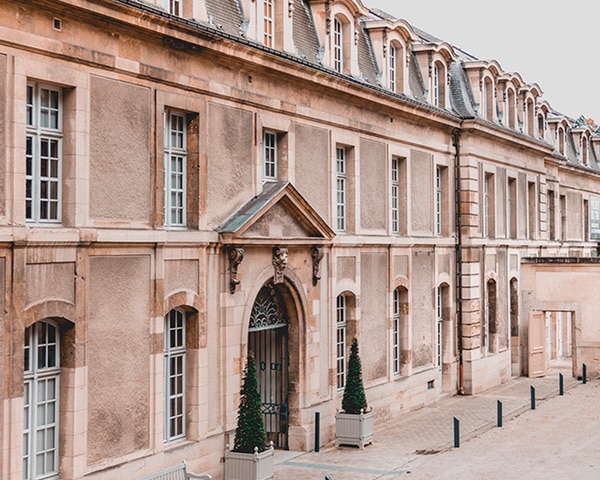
{"points": [[178, 472]]}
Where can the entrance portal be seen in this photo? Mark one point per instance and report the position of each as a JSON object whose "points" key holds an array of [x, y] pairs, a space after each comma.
{"points": [[268, 341]]}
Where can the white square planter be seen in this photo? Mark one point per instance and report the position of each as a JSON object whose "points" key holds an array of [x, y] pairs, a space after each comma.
{"points": [[249, 466], [353, 429]]}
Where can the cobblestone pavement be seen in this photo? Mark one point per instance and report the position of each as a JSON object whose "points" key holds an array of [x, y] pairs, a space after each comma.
{"points": [[419, 436]]}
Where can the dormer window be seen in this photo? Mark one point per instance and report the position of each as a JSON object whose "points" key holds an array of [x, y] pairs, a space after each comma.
{"points": [[392, 68], [530, 115], [560, 133], [338, 46], [438, 94], [510, 108], [268, 14], [175, 7], [541, 126], [584, 150]]}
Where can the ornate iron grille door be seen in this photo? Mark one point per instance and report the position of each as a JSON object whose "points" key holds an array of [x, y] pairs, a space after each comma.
{"points": [[268, 341]]}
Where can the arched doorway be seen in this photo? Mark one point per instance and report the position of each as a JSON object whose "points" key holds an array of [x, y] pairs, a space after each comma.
{"points": [[268, 340]]}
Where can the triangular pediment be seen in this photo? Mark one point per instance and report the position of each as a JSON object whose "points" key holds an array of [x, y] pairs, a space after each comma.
{"points": [[279, 212]]}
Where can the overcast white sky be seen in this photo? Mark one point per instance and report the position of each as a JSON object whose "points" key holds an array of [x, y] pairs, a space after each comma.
{"points": [[551, 43]]}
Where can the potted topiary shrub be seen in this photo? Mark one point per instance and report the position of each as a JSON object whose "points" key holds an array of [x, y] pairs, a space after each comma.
{"points": [[354, 424], [250, 458]]}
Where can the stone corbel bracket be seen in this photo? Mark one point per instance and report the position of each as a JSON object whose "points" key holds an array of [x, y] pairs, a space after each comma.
{"points": [[317, 255], [235, 256], [280, 261]]}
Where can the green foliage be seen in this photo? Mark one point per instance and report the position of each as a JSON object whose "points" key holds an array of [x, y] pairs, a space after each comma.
{"points": [[354, 399], [250, 430]]}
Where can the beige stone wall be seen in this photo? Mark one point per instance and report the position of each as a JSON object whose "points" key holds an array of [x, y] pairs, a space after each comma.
{"points": [[421, 202], [3, 176], [118, 322], [373, 338], [373, 181], [312, 155], [422, 308], [230, 161]]}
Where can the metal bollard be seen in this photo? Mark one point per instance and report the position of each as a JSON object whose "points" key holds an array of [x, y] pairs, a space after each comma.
{"points": [[456, 433], [318, 432], [532, 391], [584, 373], [499, 403], [561, 384]]}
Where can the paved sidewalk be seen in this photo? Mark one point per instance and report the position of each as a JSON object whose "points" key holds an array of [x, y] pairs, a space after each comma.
{"points": [[420, 435]]}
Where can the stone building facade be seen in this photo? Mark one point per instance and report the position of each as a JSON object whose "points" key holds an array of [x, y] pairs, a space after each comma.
{"points": [[186, 181]]}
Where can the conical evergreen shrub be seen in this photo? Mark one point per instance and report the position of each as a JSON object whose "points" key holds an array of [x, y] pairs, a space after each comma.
{"points": [[354, 399], [250, 430]]}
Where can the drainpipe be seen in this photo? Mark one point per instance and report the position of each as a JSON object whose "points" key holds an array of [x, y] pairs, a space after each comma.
{"points": [[458, 254]]}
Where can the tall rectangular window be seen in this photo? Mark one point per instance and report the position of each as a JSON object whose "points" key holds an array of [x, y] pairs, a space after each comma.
{"points": [[532, 210], [551, 216], [341, 184], [439, 201], [586, 221], [338, 53], [174, 374], [512, 207], [341, 322], [396, 333], [175, 169], [43, 154], [395, 195], [269, 156], [268, 22], [489, 219], [563, 217], [392, 68]]}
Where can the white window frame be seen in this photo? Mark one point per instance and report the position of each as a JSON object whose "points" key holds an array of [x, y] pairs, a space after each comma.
{"points": [[338, 45], [41, 402], [268, 24], [43, 154], [435, 87], [341, 188], [174, 7], [341, 333], [392, 64], [175, 168], [486, 205], [439, 199], [396, 333], [395, 195], [174, 376], [270, 154]]}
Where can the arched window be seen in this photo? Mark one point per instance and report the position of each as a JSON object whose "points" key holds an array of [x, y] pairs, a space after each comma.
{"points": [[392, 73], [399, 330], [41, 401], [174, 376]]}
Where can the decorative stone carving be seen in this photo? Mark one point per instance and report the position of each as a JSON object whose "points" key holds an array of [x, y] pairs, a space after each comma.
{"points": [[280, 261], [317, 256], [235, 255]]}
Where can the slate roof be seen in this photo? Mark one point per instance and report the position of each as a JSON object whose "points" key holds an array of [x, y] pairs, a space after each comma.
{"points": [[366, 60], [225, 15], [304, 33]]}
